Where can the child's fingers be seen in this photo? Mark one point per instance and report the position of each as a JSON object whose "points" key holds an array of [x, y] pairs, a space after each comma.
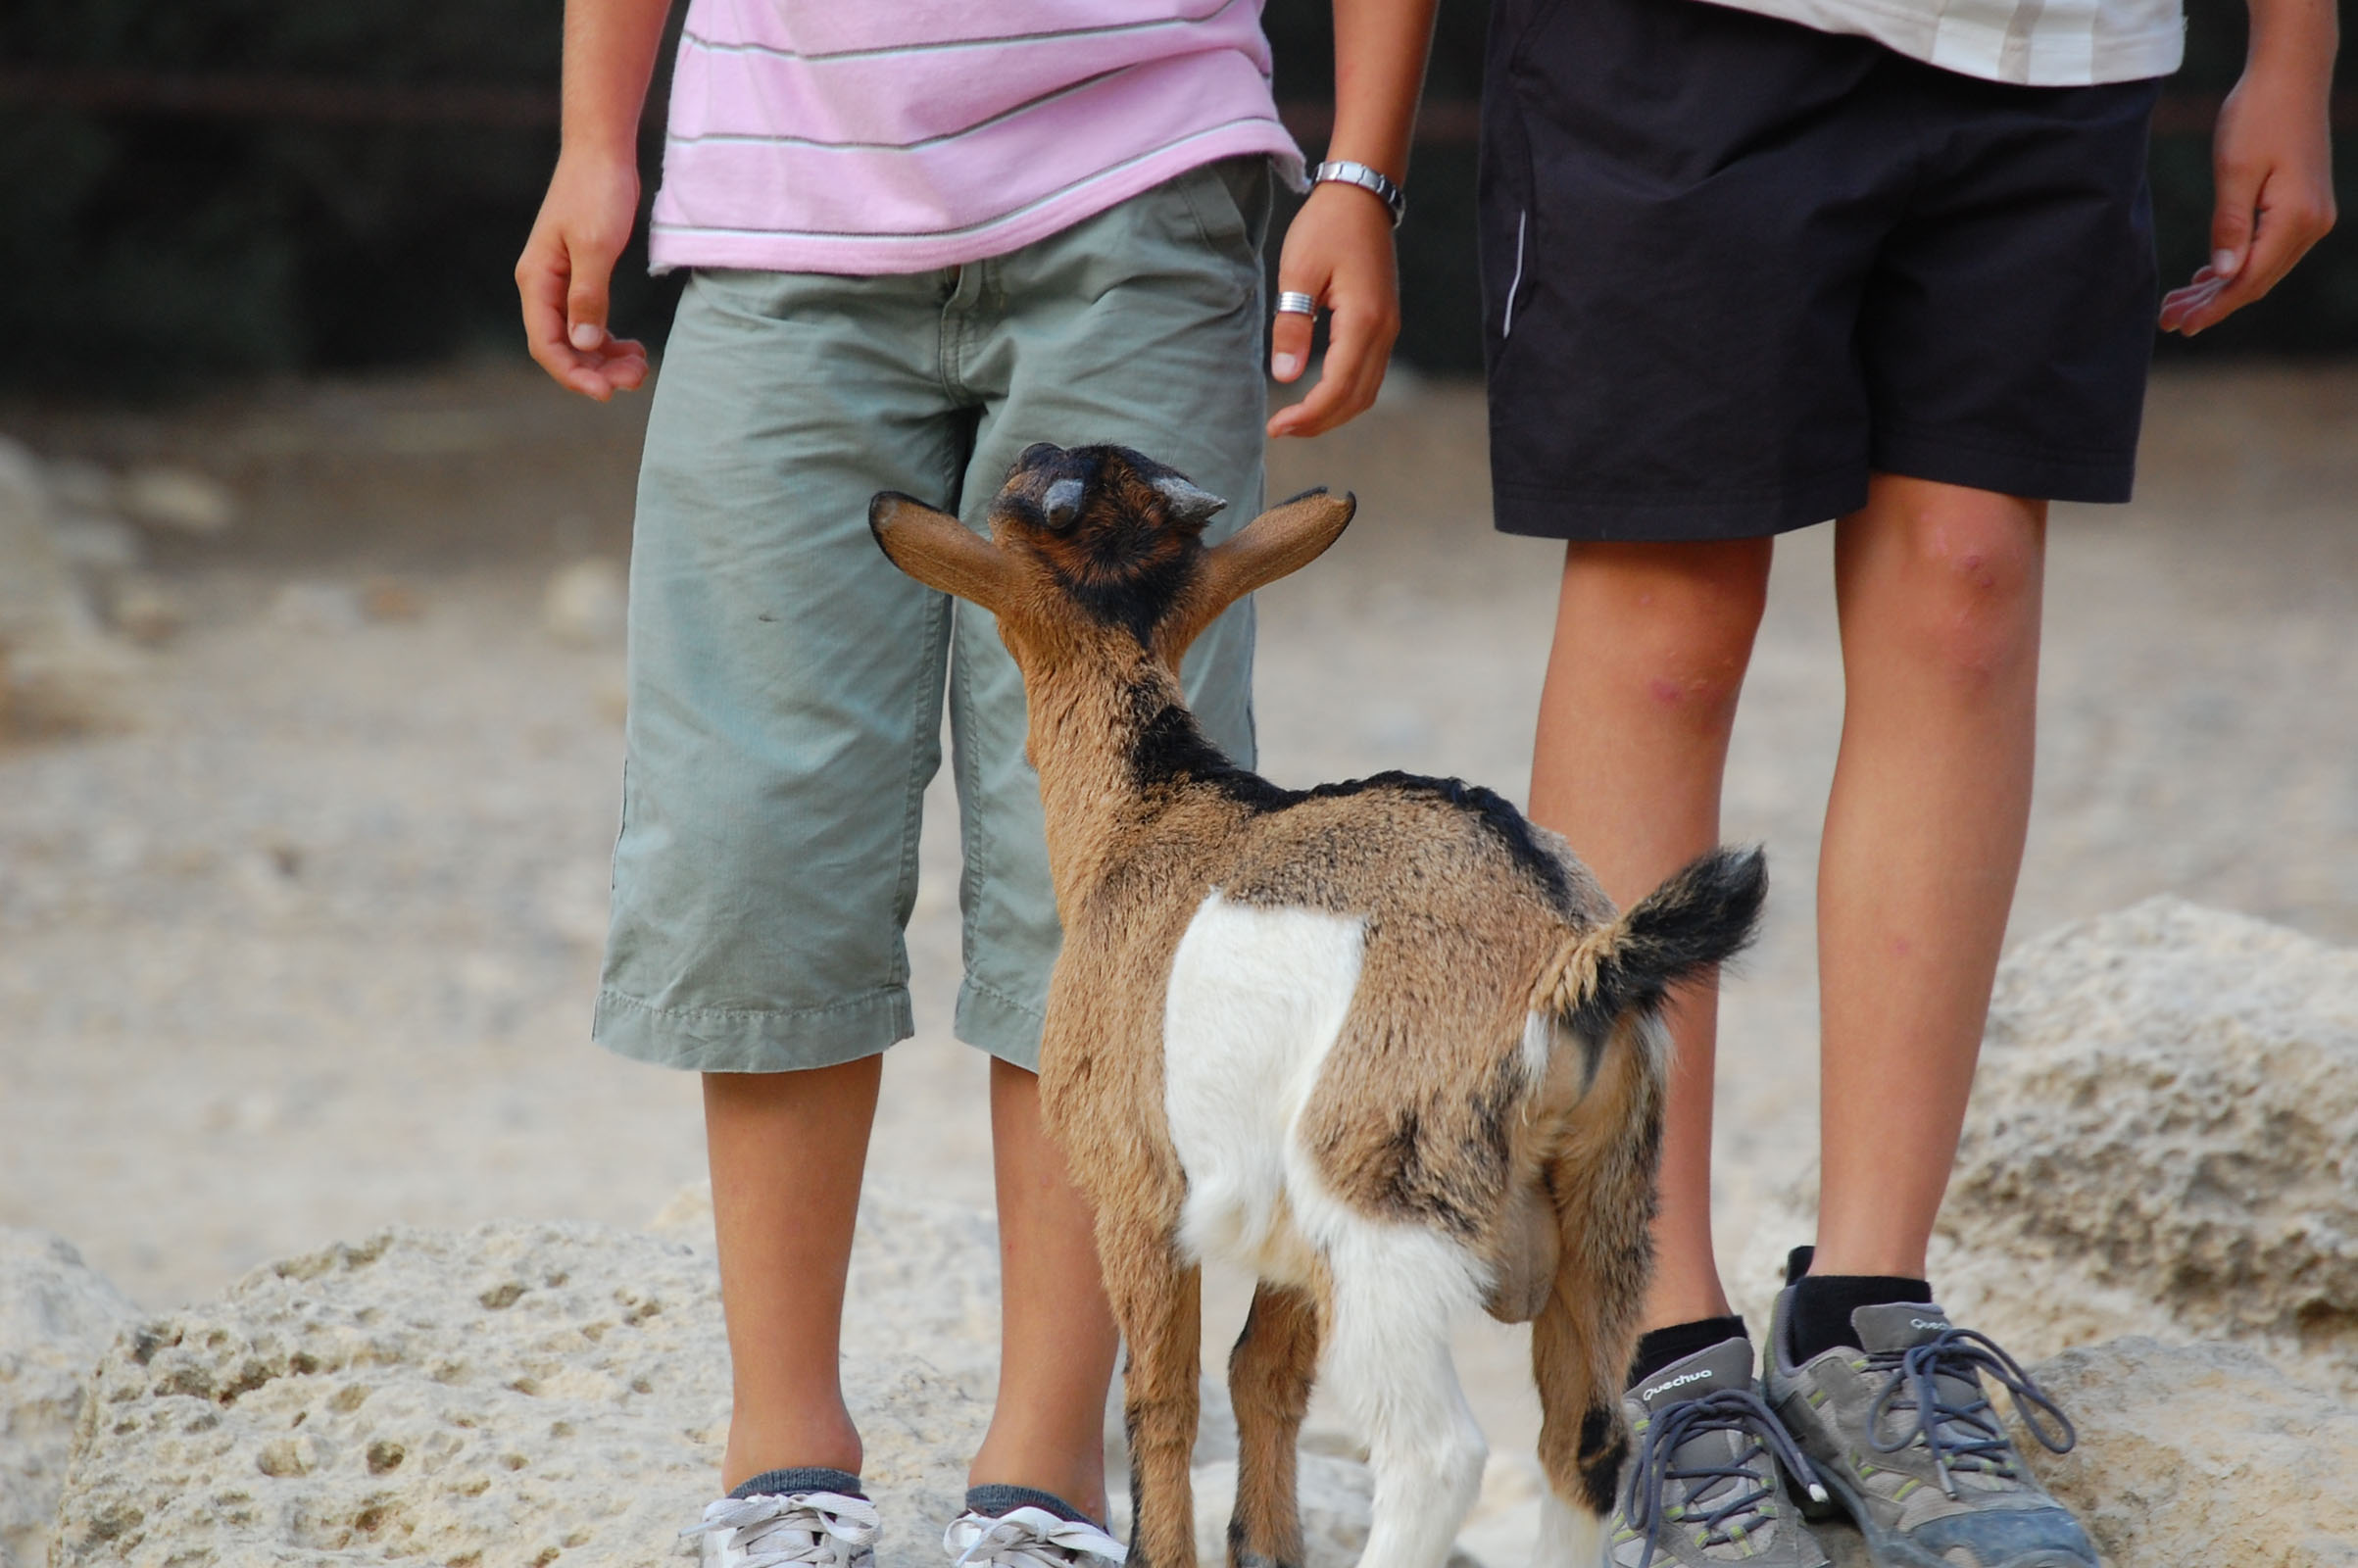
{"points": [[540, 284], [586, 294], [627, 370], [2233, 215], [1357, 345], [1289, 345], [2272, 240]]}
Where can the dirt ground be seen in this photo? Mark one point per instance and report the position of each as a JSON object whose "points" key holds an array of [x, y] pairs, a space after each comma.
{"points": [[309, 948]]}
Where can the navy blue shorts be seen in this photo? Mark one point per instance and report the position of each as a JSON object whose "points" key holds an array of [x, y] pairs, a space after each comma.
{"points": [[1732, 266]]}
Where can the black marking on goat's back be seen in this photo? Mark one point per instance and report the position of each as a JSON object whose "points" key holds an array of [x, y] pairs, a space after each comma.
{"points": [[1602, 1448], [1170, 748]]}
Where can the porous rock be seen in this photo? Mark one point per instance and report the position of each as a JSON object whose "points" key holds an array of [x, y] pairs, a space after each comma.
{"points": [[514, 1394], [2162, 1141], [2192, 1455], [57, 1315]]}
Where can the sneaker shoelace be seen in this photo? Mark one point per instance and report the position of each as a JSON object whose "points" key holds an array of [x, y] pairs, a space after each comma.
{"points": [[1027, 1537], [823, 1529], [1965, 1436], [1741, 1487]]}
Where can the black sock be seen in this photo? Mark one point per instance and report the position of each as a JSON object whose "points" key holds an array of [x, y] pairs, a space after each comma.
{"points": [[1823, 1304], [1661, 1348]]}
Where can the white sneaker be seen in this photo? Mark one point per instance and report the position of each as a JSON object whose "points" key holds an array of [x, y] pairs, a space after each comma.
{"points": [[1024, 1536], [817, 1528]]}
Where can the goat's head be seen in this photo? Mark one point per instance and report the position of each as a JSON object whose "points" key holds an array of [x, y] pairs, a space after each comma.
{"points": [[1101, 541]]}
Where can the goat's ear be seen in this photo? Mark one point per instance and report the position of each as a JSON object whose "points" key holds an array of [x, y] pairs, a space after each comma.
{"points": [[1286, 538], [1283, 539], [938, 549]]}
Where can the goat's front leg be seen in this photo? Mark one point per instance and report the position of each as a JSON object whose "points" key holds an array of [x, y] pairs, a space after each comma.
{"points": [[1269, 1376], [1158, 1301]]}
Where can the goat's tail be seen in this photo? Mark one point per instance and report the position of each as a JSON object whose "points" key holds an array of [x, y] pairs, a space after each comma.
{"points": [[1625, 968]]}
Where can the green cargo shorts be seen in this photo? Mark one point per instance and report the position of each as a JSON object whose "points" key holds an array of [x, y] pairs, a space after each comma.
{"points": [[786, 682]]}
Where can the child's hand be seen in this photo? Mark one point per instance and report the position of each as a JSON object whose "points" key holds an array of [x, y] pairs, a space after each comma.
{"points": [[1339, 251], [2272, 162], [564, 274]]}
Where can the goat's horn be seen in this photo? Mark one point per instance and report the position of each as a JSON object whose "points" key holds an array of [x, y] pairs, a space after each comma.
{"points": [[1188, 503], [1063, 502]]}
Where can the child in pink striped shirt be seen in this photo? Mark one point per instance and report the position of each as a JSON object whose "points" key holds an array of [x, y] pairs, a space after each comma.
{"points": [[921, 235]]}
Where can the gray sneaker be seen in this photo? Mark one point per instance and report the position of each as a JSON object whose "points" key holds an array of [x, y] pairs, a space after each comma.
{"points": [[1903, 1435], [1705, 1484]]}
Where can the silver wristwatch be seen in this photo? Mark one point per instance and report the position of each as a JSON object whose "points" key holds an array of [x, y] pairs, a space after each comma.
{"points": [[1344, 172]]}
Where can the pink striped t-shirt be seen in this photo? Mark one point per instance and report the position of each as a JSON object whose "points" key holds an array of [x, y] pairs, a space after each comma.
{"points": [[872, 136]]}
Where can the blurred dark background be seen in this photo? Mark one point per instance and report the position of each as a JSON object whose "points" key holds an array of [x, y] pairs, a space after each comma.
{"points": [[241, 188]]}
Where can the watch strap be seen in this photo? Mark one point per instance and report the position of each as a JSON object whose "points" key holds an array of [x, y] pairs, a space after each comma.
{"points": [[1346, 172]]}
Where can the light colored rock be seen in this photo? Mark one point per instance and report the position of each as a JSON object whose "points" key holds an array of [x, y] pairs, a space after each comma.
{"points": [[57, 1316], [180, 500], [318, 608], [147, 610], [2194, 1455], [2158, 1145], [584, 603], [536, 1393], [513, 1394], [58, 671], [2161, 1142]]}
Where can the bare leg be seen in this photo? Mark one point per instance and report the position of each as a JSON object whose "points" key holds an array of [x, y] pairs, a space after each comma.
{"points": [[1651, 642], [1057, 1335], [1939, 588], [786, 1151]]}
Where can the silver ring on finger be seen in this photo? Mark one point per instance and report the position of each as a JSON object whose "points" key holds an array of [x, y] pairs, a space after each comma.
{"points": [[1294, 303]]}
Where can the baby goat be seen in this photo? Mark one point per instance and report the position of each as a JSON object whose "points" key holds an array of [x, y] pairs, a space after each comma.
{"points": [[1384, 1043]]}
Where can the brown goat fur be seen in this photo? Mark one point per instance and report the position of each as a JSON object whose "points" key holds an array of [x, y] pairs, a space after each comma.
{"points": [[1385, 1042]]}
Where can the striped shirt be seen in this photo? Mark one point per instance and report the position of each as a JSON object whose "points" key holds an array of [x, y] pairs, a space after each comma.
{"points": [[867, 136], [2037, 43]]}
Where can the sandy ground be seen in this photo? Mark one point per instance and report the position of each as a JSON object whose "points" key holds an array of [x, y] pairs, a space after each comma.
{"points": [[309, 948]]}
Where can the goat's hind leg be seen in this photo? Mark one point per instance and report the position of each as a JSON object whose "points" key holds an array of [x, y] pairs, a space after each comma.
{"points": [[1395, 1292], [1582, 1443], [1603, 1183], [1269, 1376]]}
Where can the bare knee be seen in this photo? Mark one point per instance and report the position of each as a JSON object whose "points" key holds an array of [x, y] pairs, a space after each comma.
{"points": [[1949, 584], [1671, 625]]}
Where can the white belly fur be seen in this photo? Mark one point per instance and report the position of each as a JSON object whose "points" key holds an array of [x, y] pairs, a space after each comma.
{"points": [[1258, 998]]}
